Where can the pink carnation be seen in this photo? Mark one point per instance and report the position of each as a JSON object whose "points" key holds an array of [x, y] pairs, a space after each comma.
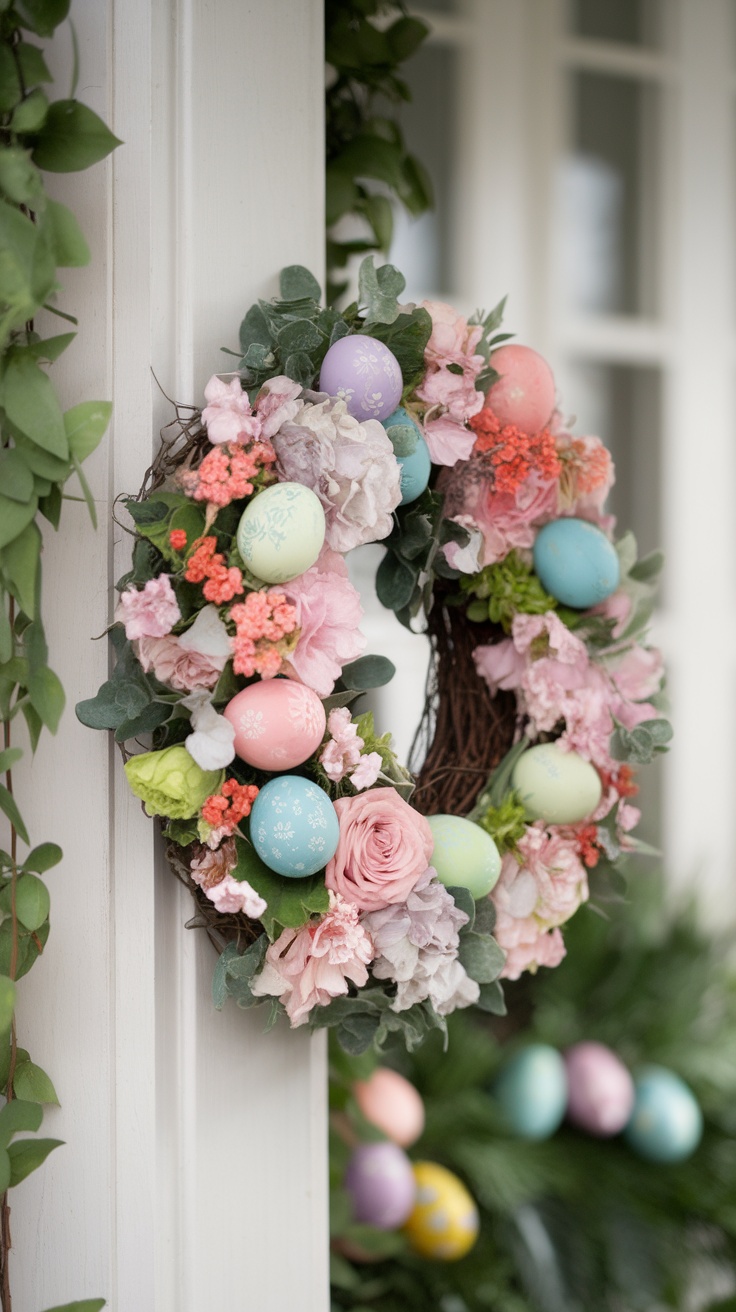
{"points": [[560, 878], [451, 397], [308, 967], [384, 848], [367, 771], [229, 416], [328, 613], [526, 945], [151, 612], [342, 755], [236, 895], [506, 520]]}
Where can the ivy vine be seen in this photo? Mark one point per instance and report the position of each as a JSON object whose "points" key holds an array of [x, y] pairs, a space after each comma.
{"points": [[41, 448]]}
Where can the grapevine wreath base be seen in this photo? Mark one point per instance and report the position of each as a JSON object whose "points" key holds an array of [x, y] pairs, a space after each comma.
{"points": [[332, 887]]}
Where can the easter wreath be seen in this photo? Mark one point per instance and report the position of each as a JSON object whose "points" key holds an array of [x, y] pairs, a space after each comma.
{"points": [[325, 888]]}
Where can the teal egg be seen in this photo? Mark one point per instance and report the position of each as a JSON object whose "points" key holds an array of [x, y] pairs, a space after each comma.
{"points": [[416, 467], [532, 1091], [294, 826], [556, 786], [666, 1124], [576, 563], [464, 855]]}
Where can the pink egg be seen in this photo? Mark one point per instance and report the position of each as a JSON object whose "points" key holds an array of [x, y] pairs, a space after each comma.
{"points": [[278, 724], [601, 1090], [525, 393], [381, 1185], [392, 1104]]}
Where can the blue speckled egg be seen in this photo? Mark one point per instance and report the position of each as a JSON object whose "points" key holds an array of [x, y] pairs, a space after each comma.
{"points": [[416, 466], [532, 1091], [576, 563], [294, 826], [666, 1124]]}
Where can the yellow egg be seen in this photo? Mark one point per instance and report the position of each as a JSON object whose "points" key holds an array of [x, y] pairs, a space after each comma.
{"points": [[444, 1222]]}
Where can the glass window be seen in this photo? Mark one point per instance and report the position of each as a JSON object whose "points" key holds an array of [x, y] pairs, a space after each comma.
{"points": [[633, 22], [609, 210]]}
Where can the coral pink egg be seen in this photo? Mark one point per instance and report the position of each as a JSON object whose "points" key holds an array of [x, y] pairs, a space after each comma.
{"points": [[525, 393], [278, 723], [601, 1090], [392, 1104]]}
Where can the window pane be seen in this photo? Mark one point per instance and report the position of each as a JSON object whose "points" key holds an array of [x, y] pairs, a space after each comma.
{"points": [[609, 196], [635, 22]]}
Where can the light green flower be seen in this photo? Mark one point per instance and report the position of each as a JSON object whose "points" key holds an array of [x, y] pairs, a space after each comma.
{"points": [[171, 783]]}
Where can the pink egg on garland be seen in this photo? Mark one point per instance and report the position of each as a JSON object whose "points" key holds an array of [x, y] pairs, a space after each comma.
{"points": [[392, 1104], [278, 724], [363, 373], [381, 1185], [525, 393], [600, 1089]]}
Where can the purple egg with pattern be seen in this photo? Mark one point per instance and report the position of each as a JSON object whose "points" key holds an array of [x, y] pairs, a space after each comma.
{"points": [[363, 373]]}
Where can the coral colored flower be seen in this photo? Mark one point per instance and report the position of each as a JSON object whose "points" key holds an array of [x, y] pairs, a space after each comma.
{"points": [[328, 613], [262, 622], [225, 809], [308, 967], [170, 783], [207, 565], [384, 848], [177, 539], [588, 846], [512, 454], [151, 612], [229, 473]]}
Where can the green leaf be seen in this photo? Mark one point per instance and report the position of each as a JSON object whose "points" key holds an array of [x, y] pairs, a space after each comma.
{"points": [[86, 490], [32, 406], [10, 87], [380, 215], [33, 66], [300, 335], [50, 348], [9, 806], [378, 291], [9, 757], [86, 1305], [42, 16], [16, 479], [32, 902], [491, 999], [405, 36], [6, 633], [47, 696], [33, 1084], [14, 517], [50, 506], [69, 243], [368, 672], [29, 115], [26, 1155], [415, 190], [116, 701], [43, 857], [296, 282], [482, 958], [371, 156], [18, 269], [7, 1006], [395, 583], [19, 561], [19, 177], [34, 723], [254, 329], [290, 901], [72, 138], [648, 568], [42, 464], [19, 1116]]}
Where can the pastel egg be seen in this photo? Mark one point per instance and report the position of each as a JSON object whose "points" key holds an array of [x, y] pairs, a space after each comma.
{"points": [[600, 1089], [532, 1091], [576, 563], [525, 393], [666, 1124], [281, 532], [464, 855], [392, 1104], [381, 1185], [416, 467], [556, 786], [444, 1222], [278, 723], [294, 826], [363, 373]]}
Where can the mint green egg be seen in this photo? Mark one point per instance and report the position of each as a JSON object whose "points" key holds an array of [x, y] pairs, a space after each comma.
{"points": [[464, 855], [531, 1091], [556, 786], [281, 532]]}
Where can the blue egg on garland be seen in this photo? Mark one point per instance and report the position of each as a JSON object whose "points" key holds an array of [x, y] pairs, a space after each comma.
{"points": [[415, 467], [294, 826], [666, 1124], [532, 1091], [576, 563]]}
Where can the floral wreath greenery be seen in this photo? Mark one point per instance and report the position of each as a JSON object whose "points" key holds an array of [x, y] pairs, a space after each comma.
{"points": [[369, 939]]}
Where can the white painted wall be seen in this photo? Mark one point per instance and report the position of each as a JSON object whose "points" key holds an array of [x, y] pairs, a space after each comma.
{"points": [[194, 1175]]}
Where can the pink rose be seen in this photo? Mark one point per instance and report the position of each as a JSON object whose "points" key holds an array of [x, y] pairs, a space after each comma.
{"points": [[384, 849], [151, 612]]}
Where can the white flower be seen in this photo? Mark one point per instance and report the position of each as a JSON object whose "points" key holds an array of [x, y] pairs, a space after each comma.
{"points": [[211, 744], [208, 636]]}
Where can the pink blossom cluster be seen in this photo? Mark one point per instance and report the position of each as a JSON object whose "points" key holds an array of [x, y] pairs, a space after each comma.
{"points": [[148, 612], [342, 755], [328, 614], [540, 886], [450, 394], [230, 418], [229, 473], [262, 621]]}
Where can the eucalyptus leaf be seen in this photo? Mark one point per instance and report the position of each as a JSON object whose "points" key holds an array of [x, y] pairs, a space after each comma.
{"points": [[378, 291], [368, 672], [482, 958], [395, 582], [296, 282]]}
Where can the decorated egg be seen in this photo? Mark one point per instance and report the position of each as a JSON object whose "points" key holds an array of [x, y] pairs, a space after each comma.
{"points": [[381, 1185], [525, 393], [363, 373], [600, 1089], [278, 723], [294, 826], [464, 855], [532, 1091], [444, 1222], [575, 561], [281, 532], [392, 1104], [666, 1124], [556, 786], [416, 466]]}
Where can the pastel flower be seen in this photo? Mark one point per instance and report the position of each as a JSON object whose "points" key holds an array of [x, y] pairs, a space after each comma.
{"points": [[308, 967], [195, 659], [277, 404], [208, 867], [341, 752], [211, 743], [328, 613], [527, 945], [228, 416], [367, 771], [170, 782], [383, 851], [448, 439], [450, 393], [236, 895], [560, 877], [150, 612]]}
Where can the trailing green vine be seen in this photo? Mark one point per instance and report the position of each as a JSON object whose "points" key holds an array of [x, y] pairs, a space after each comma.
{"points": [[41, 448]]}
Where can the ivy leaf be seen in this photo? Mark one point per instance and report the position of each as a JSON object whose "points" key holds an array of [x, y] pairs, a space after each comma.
{"points": [[70, 246], [18, 273], [43, 857], [33, 1084], [72, 138], [368, 672], [20, 565], [9, 805], [19, 177], [30, 114], [9, 757], [10, 87], [341, 194], [14, 517], [47, 696], [296, 283], [31, 404], [16, 479], [19, 1116], [50, 348], [7, 1007], [405, 36], [42, 16], [27, 1155], [33, 66], [370, 156]]}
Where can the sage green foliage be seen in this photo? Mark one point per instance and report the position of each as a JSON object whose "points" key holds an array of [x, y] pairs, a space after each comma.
{"points": [[508, 588], [41, 448], [577, 1223], [368, 165], [505, 823]]}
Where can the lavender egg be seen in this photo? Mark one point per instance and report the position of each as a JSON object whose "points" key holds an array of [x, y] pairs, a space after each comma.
{"points": [[363, 373], [600, 1089], [381, 1185]]}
